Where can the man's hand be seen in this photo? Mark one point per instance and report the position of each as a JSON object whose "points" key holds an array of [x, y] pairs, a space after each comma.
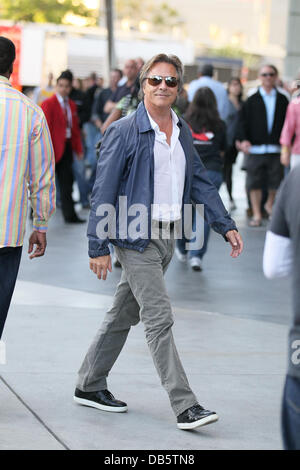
{"points": [[38, 239], [98, 123], [285, 157], [236, 242], [109, 106], [245, 146], [80, 156], [100, 266]]}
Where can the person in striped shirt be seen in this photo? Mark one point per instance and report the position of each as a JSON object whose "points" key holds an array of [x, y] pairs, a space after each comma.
{"points": [[26, 164]]}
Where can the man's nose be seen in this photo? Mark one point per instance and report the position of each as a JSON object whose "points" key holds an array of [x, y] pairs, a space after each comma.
{"points": [[163, 85]]}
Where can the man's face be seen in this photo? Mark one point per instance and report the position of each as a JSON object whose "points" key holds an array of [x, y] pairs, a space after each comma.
{"points": [[139, 63], [63, 87], [160, 96], [114, 79], [268, 77], [130, 69]]}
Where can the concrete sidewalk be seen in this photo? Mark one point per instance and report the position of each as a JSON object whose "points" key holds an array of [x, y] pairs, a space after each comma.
{"points": [[235, 366], [230, 329]]}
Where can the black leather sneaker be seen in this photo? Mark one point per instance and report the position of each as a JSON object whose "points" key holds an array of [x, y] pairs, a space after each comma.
{"points": [[102, 400], [196, 416]]}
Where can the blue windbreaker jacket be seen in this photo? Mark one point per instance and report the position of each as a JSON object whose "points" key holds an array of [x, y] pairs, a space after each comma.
{"points": [[126, 168]]}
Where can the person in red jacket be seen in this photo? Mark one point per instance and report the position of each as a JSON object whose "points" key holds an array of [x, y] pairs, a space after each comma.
{"points": [[61, 115]]}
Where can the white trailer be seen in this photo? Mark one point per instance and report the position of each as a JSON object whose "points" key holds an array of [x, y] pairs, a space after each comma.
{"points": [[52, 48]]}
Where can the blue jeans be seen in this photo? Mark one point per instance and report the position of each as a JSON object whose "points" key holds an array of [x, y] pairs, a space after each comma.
{"points": [[216, 178], [10, 258], [79, 175], [78, 168], [92, 137], [290, 416]]}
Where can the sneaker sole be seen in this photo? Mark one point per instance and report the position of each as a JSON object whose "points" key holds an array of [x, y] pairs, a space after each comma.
{"points": [[201, 422], [94, 404], [196, 268], [180, 257]]}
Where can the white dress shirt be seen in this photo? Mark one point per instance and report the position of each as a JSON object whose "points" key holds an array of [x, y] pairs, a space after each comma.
{"points": [[270, 104], [169, 173], [64, 102], [218, 90], [278, 256]]}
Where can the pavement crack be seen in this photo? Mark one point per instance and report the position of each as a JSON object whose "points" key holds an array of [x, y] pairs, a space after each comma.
{"points": [[36, 416]]}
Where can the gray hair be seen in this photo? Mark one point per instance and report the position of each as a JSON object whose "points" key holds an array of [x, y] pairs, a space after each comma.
{"points": [[271, 66], [161, 58]]}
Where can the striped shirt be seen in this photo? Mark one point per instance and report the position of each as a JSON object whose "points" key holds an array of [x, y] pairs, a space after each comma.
{"points": [[26, 164]]}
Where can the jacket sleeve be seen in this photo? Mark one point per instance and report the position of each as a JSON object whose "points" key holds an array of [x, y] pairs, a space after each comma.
{"points": [[205, 192], [110, 168], [41, 175], [47, 109], [86, 105], [76, 136], [289, 126], [241, 132], [225, 109]]}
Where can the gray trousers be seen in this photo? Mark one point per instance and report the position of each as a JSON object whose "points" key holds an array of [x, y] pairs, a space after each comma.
{"points": [[140, 295]]}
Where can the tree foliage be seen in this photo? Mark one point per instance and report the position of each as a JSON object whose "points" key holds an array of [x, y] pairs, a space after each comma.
{"points": [[159, 15], [43, 11], [250, 60]]}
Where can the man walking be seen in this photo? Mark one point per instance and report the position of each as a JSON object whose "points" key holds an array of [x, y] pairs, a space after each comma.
{"points": [[26, 162], [149, 158], [131, 74], [261, 121], [62, 118], [98, 114], [206, 79], [281, 258]]}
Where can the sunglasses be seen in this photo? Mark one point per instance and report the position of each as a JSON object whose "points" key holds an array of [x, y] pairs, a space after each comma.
{"points": [[156, 80], [271, 74]]}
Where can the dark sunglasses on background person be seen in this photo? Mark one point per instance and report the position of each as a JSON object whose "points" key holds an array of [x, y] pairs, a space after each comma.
{"points": [[270, 74], [156, 80]]}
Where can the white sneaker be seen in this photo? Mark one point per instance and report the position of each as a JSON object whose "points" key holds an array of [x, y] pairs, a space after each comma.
{"points": [[195, 263], [182, 258]]}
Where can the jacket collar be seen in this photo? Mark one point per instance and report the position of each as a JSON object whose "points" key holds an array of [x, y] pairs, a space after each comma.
{"points": [[143, 121], [263, 92]]}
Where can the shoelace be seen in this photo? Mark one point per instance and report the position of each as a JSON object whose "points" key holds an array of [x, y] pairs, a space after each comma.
{"points": [[108, 394], [196, 408]]}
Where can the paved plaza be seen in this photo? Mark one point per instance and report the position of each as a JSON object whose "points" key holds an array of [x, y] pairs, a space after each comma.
{"points": [[230, 327]]}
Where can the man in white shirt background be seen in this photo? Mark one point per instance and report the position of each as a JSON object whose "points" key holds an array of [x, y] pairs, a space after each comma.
{"points": [[261, 120], [206, 79]]}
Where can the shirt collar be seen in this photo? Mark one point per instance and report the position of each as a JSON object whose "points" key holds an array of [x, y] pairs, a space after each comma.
{"points": [[264, 93], [154, 124], [4, 80], [61, 99], [142, 119]]}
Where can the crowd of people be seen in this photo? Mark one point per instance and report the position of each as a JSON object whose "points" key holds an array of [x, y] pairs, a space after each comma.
{"points": [[176, 147], [223, 122]]}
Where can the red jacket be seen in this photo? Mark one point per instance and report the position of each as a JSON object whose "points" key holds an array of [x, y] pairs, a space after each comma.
{"points": [[57, 125]]}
